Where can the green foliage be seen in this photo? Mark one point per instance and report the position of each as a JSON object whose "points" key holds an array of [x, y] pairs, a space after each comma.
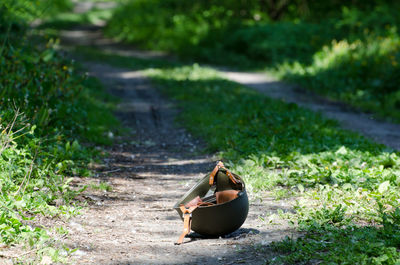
{"points": [[343, 183], [104, 186], [48, 113], [330, 240], [179, 25], [346, 50], [364, 74], [333, 245], [67, 20], [266, 43], [18, 11]]}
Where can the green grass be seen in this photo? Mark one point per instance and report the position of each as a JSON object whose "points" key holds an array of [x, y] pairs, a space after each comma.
{"points": [[362, 73], [69, 20], [346, 186], [350, 54], [104, 186]]}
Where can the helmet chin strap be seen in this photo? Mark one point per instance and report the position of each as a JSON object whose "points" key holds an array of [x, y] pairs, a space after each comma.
{"points": [[187, 221], [228, 173], [220, 196]]}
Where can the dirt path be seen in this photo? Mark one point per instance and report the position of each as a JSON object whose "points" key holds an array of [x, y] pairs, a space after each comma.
{"points": [[382, 132], [152, 167], [149, 171]]}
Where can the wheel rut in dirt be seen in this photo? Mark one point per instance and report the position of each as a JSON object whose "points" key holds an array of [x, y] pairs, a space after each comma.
{"points": [[150, 169], [382, 132]]}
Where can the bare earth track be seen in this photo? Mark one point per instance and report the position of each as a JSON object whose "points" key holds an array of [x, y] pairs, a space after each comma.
{"points": [[149, 170]]}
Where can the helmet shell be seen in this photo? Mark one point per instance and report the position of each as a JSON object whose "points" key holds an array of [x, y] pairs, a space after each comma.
{"points": [[217, 219]]}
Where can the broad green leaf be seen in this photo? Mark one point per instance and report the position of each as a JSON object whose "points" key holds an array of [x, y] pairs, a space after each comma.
{"points": [[383, 187]]}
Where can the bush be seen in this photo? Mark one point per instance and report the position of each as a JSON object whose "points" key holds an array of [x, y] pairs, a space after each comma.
{"points": [[179, 25], [22, 11], [278, 42]]}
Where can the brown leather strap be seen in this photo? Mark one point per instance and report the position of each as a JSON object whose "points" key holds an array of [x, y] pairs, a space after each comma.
{"points": [[196, 202], [228, 173], [214, 172], [187, 221]]}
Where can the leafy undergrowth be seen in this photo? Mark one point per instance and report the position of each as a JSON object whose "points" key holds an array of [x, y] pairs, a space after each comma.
{"points": [[330, 238], [350, 53], [362, 73], [69, 20], [50, 117], [347, 187]]}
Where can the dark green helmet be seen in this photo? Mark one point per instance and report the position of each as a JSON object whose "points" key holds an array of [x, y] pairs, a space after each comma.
{"points": [[212, 218]]}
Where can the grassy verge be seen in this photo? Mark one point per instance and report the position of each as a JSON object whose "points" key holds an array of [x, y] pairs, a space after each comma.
{"points": [[351, 54], [51, 116], [362, 73], [347, 186]]}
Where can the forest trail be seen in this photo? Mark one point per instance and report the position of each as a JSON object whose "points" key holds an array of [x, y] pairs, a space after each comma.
{"points": [[149, 170], [152, 167], [380, 131]]}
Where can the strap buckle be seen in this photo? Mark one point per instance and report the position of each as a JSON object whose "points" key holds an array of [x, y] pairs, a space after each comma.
{"points": [[185, 214], [187, 222]]}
